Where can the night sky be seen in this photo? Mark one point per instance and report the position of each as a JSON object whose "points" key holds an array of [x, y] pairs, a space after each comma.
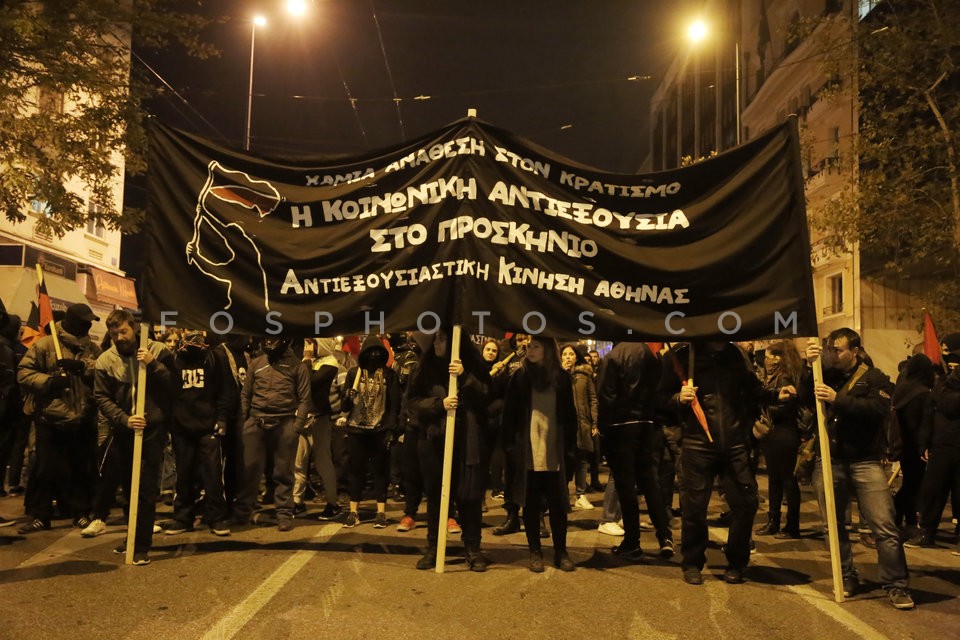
{"points": [[553, 71]]}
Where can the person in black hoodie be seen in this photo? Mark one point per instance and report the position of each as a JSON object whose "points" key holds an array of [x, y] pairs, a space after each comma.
{"points": [[427, 405], [910, 398], [940, 446], [201, 411], [371, 408]]}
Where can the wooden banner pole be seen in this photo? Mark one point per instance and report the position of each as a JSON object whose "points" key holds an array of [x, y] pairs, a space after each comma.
{"points": [[829, 498], [139, 392], [53, 324], [447, 457]]}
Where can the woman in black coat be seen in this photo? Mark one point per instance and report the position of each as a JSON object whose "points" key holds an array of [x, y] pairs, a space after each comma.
{"points": [[427, 405], [540, 422]]}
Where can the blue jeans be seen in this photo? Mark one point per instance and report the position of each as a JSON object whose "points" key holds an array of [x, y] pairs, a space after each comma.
{"points": [[870, 484]]}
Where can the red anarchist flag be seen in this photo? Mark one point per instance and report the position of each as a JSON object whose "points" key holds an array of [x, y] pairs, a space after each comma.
{"points": [[931, 346]]}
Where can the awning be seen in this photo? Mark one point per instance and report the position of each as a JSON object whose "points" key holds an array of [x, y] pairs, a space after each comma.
{"points": [[18, 288], [113, 289]]}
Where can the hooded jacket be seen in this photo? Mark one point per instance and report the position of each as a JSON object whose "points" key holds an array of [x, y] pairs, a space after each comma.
{"points": [[376, 406], [116, 376], [72, 405], [206, 393], [942, 424], [585, 398]]}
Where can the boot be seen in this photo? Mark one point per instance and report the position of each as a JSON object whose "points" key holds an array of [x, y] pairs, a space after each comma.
{"points": [[511, 524], [791, 530], [428, 560], [772, 527], [474, 558]]}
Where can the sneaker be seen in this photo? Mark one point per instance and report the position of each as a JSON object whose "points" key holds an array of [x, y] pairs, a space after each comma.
{"points": [[666, 549], [16, 490], [583, 502], [330, 512], [94, 529], [298, 508], [140, 558], [353, 519], [787, 534], [81, 522], [631, 554], [646, 525], [284, 523], [33, 526], [220, 528], [406, 524], [900, 598], [692, 575], [175, 528], [610, 528], [850, 586], [121, 549], [262, 519], [157, 528], [733, 576], [497, 495], [4, 522], [380, 522], [452, 526], [919, 541]]}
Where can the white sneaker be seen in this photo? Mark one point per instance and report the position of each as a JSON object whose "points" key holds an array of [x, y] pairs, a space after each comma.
{"points": [[583, 502], [94, 529], [157, 528], [610, 528], [646, 525]]}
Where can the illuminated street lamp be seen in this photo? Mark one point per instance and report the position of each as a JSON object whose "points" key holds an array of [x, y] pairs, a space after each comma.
{"points": [[696, 33], [258, 21]]}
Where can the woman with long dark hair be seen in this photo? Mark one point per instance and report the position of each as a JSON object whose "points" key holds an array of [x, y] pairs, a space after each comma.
{"points": [[573, 359], [427, 404], [782, 367], [540, 422]]}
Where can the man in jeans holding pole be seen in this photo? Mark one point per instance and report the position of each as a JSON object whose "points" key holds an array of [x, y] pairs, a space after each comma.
{"points": [[857, 398]]}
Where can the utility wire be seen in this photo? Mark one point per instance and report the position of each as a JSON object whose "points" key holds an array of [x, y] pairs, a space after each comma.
{"points": [[386, 63], [353, 103]]}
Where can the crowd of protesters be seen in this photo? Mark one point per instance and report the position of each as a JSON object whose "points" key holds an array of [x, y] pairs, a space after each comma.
{"points": [[245, 421]]}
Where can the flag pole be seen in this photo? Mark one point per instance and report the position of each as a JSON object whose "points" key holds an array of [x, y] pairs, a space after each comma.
{"points": [[139, 393], [829, 499], [447, 456], [53, 324]]}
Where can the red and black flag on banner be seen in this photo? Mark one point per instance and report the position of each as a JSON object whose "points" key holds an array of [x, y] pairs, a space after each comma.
{"points": [[41, 316]]}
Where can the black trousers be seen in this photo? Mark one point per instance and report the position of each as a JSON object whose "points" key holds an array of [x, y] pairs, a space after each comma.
{"points": [[699, 469], [430, 453], [368, 449], [412, 475], [151, 460], [549, 486], [940, 479], [199, 462], [631, 452], [780, 451], [669, 463], [66, 457]]}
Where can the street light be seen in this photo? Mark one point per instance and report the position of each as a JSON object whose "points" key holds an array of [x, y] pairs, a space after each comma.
{"points": [[697, 32], [258, 21]]}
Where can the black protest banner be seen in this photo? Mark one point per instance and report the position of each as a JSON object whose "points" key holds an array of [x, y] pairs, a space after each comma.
{"points": [[473, 224]]}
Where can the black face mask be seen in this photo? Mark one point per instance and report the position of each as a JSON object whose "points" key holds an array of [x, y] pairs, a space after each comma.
{"points": [[193, 351], [75, 326]]}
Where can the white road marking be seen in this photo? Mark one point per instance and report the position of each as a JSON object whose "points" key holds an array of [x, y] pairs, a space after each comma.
{"points": [[229, 625]]}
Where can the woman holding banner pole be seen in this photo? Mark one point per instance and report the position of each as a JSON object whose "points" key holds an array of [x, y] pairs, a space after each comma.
{"points": [[428, 401]]}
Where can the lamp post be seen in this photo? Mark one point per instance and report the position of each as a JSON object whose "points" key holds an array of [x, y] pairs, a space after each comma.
{"points": [[258, 21], [698, 31]]}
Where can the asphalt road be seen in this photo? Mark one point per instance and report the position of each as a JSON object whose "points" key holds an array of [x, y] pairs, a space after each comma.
{"points": [[323, 581]]}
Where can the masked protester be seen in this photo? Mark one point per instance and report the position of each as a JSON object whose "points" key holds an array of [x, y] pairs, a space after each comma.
{"points": [[275, 405], [59, 393], [371, 408], [857, 399], [939, 445], [116, 371], [201, 411], [427, 403]]}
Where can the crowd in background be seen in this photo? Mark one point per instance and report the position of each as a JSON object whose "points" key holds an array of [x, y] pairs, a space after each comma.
{"points": [[241, 431]]}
